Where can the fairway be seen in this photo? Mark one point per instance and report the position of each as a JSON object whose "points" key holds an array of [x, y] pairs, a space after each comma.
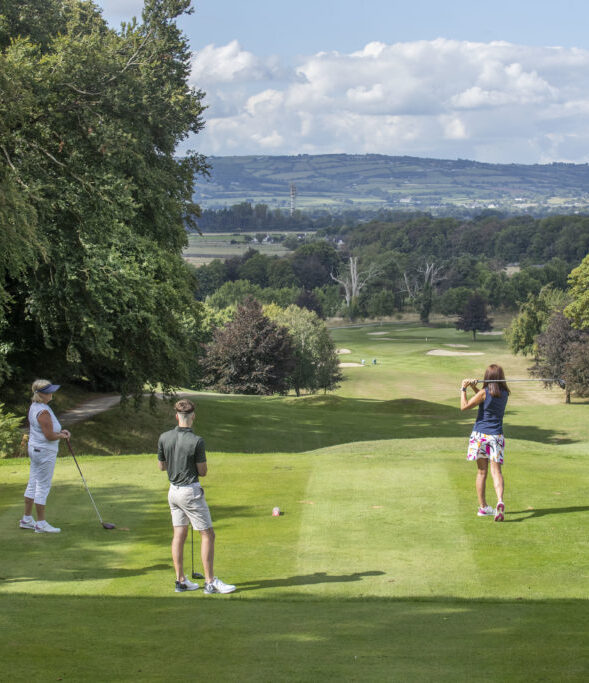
{"points": [[379, 568]]}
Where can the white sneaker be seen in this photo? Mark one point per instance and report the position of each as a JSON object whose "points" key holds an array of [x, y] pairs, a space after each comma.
{"points": [[46, 528], [486, 511], [186, 585], [500, 512], [217, 586], [27, 523]]}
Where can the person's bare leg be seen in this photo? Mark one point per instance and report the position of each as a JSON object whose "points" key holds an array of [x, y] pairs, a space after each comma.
{"points": [[207, 553], [180, 533], [481, 483], [40, 512], [498, 482], [28, 507]]}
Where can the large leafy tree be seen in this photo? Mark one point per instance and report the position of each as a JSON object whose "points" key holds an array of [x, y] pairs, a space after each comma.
{"points": [[316, 363], [562, 353], [93, 283], [578, 309], [249, 355], [474, 317], [532, 319]]}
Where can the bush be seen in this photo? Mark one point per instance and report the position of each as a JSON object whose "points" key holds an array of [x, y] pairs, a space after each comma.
{"points": [[11, 436]]}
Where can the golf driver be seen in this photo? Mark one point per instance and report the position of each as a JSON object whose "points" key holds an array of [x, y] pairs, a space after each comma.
{"points": [[560, 382], [105, 525], [195, 575]]}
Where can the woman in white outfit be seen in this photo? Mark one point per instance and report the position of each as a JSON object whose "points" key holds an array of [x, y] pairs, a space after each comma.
{"points": [[45, 433]]}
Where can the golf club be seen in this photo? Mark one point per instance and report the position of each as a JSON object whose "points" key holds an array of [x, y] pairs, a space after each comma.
{"points": [[105, 525], [195, 575], [560, 382]]}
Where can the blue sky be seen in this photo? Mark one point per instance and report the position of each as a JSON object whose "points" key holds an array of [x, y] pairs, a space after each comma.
{"points": [[495, 81]]}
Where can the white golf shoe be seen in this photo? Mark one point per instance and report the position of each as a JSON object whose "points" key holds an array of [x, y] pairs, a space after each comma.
{"points": [[186, 585], [27, 523], [218, 586], [45, 528]]}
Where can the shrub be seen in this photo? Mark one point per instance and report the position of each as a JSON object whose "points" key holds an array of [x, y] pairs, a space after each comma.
{"points": [[11, 436]]}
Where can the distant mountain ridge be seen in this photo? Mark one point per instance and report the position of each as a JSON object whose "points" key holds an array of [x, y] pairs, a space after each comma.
{"points": [[376, 181]]}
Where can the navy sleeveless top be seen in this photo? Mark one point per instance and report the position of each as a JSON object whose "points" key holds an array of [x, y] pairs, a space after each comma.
{"points": [[490, 415]]}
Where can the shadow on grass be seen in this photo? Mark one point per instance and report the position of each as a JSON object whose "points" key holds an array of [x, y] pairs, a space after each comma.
{"points": [[254, 424], [86, 551], [298, 425], [542, 512], [224, 638], [307, 580]]}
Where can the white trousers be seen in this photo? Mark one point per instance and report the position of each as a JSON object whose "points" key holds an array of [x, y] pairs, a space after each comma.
{"points": [[42, 466]]}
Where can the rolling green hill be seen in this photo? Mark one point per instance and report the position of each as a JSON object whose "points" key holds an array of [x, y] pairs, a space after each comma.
{"points": [[375, 181]]}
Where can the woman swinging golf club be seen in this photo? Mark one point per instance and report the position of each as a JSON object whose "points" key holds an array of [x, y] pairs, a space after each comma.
{"points": [[486, 440]]}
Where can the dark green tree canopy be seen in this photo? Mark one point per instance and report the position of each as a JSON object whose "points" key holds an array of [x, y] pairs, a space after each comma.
{"points": [[562, 354], [249, 355], [474, 318], [93, 283]]}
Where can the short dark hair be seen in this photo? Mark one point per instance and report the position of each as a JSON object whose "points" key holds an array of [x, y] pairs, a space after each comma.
{"points": [[184, 406]]}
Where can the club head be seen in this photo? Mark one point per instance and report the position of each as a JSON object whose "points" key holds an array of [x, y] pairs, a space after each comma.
{"points": [[106, 525], [196, 575], [561, 383]]}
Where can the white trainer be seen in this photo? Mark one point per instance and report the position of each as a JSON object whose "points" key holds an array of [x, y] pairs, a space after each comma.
{"points": [[217, 586], [485, 511], [186, 585], [27, 523], [46, 528]]}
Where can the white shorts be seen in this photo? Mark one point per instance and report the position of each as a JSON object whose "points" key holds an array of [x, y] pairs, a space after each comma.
{"points": [[188, 505], [42, 466]]}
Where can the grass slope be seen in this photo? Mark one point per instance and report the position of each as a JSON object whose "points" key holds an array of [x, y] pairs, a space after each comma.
{"points": [[378, 569]]}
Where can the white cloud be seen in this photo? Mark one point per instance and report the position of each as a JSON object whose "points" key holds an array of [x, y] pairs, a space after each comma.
{"points": [[442, 98], [232, 64]]}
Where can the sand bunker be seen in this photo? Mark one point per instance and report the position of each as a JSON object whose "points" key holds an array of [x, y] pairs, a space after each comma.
{"points": [[376, 333], [458, 346], [341, 351], [446, 352], [351, 365], [493, 332]]}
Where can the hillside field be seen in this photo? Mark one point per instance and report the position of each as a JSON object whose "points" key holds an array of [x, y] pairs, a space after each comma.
{"points": [[377, 570], [374, 181], [202, 249]]}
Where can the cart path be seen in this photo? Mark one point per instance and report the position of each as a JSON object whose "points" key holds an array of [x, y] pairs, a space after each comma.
{"points": [[95, 406]]}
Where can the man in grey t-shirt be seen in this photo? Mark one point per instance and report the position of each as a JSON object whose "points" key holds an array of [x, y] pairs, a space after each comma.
{"points": [[181, 453]]}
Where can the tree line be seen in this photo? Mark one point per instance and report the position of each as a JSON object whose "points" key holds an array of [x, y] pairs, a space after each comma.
{"points": [[429, 264]]}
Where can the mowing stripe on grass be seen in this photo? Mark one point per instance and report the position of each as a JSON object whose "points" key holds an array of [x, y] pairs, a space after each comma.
{"points": [[377, 522]]}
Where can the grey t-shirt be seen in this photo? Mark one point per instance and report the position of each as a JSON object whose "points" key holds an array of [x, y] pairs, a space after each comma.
{"points": [[181, 449]]}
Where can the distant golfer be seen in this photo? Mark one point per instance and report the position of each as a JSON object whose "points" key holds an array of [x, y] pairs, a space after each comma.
{"points": [[181, 453], [487, 442], [44, 435]]}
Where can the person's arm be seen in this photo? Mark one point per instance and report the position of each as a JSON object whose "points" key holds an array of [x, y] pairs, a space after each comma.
{"points": [[476, 400], [201, 458], [161, 458], [46, 424]]}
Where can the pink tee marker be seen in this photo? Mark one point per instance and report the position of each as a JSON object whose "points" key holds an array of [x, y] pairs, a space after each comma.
{"points": [[275, 512]]}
